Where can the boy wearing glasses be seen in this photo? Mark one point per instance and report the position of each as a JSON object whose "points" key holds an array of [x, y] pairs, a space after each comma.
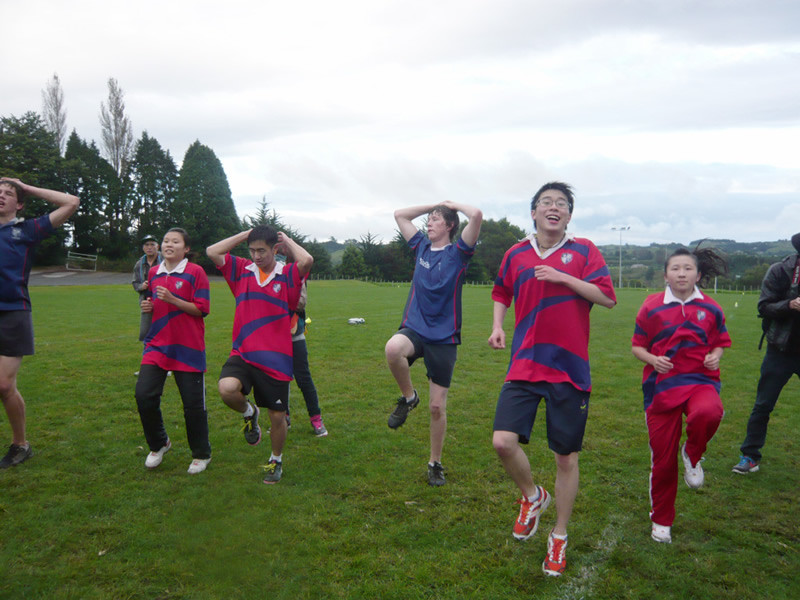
{"points": [[554, 279]]}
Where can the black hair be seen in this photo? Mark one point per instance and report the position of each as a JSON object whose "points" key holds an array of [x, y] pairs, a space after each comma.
{"points": [[263, 233], [710, 263], [450, 217], [564, 188], [186, 241]]}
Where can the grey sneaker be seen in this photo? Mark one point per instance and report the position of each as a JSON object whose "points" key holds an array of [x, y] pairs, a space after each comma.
{"points": [[16, 455], [400, 413], [436, 474], [745, 465], [318, 426], [273, 470], [251, 430]]}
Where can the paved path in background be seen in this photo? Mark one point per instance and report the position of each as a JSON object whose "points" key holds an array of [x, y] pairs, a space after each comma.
{"points": [[63, 277]]}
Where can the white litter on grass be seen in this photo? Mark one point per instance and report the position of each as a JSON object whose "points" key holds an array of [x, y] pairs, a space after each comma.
{"points": [[356, 321]]}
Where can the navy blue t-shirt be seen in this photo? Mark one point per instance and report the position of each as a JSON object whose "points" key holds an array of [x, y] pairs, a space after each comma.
{"points": [[433, 308], [18, 240]]}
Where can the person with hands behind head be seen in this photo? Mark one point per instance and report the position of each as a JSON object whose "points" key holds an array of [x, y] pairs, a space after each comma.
{"points": [[175, 343], [266, 293], [18, 240], [431, 324], [554, 279], [680, 335]]}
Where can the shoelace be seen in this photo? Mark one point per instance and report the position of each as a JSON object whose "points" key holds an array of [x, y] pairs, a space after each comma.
{"points": [[248, 424], [556, 551], [527, 510], [270, 467]]}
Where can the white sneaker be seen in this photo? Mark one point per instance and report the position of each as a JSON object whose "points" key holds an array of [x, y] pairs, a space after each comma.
{"points": [[198, 465], [693, 476], [154, 458], [661, 533]]}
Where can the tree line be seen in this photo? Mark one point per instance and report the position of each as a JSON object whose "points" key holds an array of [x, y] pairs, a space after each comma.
{"points": [[132, 187]]}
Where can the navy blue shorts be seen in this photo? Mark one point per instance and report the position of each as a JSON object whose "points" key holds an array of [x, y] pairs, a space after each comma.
{"points": [[440, 359], [566, 411], [268, 392], [16, 333]]}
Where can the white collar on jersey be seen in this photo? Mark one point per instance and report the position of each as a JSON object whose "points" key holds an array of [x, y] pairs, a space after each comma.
{"points": [[669, 297], [535, 244], [276, 271], [162, 268]]}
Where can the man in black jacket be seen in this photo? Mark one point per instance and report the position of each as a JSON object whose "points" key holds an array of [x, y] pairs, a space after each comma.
{"points": [[779, 305]]}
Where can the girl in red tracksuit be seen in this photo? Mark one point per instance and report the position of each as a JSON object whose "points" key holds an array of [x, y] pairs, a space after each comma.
{"points": [[680, 335]]}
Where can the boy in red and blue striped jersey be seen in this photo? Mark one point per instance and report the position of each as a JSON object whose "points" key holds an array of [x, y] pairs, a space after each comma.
{"points": [[554, 279], [266, 293]]}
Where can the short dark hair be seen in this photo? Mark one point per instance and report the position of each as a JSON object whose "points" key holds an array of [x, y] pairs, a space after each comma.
{"points": [[564, 188], [263, 233], [21, 195], [450, 217]]}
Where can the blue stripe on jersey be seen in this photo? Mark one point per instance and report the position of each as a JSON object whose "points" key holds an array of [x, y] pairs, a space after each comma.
{"points": [[528, 320], [559, 359], [188, 356], [261, 296], [250, 328], [597, 274], [277, 361]]}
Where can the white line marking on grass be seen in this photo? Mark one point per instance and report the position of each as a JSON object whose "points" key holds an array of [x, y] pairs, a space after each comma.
{"points": [[580, 586]]}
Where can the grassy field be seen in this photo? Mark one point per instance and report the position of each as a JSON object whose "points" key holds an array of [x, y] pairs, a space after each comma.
{"points": [[353, 516]]}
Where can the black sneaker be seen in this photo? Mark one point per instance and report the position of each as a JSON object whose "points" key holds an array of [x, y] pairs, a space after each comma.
{"points": [[436, 474], [251, 430], [273, 471], [399, 414], [15, 455]]}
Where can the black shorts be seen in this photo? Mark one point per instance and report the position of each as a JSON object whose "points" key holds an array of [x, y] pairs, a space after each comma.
{"points": [[267, 391], [567, 409], [16, 333], [440, 359]]}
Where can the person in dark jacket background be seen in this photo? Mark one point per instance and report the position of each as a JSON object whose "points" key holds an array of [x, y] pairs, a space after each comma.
{"points": [[779, 305], [151, 258]]}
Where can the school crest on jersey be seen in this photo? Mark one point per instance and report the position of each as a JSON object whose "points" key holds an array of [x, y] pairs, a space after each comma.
{"points": [[16, 233], [566, 258], [276, 287], [178, 285], [701, 315]]}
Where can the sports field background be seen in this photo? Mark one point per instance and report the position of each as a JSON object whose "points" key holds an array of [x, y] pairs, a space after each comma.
{"points": [[353, 516]]}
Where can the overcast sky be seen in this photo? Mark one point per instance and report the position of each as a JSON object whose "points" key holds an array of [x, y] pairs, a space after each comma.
{"points": [[680, 119]]}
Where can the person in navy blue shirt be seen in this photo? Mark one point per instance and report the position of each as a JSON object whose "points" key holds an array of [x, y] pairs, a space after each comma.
{"points": [[18, 239], [431, 324]]}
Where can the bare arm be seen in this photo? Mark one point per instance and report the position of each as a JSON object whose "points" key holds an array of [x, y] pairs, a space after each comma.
{"points": [[298, 254], [497, 339], [216, 252], [66, 203], [586, 290], [404, 216]]}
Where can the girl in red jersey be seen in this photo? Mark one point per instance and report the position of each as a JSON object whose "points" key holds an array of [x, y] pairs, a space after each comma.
{"points": [[176, 343], [680, 335]]}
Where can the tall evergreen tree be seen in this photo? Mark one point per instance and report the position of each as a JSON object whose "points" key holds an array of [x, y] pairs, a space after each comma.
{"points": [[204, 206], [92, 179], [53, 111], [352, 263], [154, 179]]}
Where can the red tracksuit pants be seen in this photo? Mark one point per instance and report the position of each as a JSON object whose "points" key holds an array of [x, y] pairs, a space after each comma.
{"points": [[703, 410]]}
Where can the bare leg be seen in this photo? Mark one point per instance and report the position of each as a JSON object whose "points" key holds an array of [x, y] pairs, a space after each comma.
{"points": [[12, 399], [398, 349], [514, 460], [438, 410], [567, 477]]}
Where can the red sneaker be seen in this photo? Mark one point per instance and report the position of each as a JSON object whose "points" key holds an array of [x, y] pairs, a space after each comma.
{"points": [[528, 521], [556, 560]]}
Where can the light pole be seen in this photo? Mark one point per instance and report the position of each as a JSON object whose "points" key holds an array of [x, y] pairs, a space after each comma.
{"points": [[621, 228]]}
